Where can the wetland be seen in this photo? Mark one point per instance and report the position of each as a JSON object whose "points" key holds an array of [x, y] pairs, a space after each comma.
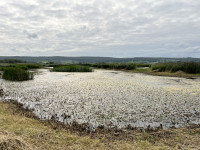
{"points": [[107, 98]]}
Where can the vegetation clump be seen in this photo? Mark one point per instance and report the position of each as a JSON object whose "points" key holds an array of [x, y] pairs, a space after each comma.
{"points": [[187, 67], [118, 66], [16, 74], [72, 68]]}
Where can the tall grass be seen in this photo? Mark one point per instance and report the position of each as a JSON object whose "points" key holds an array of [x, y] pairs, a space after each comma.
{"points": [[143, 65], [72, 68], [187, 67], [16, 74]]}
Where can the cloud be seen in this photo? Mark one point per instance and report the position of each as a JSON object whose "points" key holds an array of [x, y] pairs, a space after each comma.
{"points": [[31, 35], [100, 28]]}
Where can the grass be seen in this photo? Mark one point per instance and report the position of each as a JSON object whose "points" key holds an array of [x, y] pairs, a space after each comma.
{"points": [[19, 128], [72, 68]]}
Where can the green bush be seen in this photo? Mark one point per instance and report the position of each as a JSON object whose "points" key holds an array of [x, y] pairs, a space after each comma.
{"points": [[72, 68], [16, 74]]}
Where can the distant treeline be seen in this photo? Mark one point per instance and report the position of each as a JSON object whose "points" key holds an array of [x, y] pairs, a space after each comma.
{"points": [[93, 60], [12, 61], [187, 67]]}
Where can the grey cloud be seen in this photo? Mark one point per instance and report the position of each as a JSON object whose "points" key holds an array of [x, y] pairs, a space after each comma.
{"points": [[100, 28], [32, 36]]}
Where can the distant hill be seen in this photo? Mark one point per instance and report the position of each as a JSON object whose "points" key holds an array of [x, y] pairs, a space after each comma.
{"points": [[59, 59], [11, 61]]}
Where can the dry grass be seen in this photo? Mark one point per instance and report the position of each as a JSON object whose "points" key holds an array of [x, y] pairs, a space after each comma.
{"points": [[12, 142], [21, 130]]}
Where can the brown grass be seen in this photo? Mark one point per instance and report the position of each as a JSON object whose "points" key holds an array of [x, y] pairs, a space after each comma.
{"points": [[12, 142], [21, 129]]}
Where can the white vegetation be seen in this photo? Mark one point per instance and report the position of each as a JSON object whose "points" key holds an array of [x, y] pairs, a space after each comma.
{"points": [[109, 98]]}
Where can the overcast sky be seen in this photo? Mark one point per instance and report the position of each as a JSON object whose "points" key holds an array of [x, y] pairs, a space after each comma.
{"points": [[116, 28]]}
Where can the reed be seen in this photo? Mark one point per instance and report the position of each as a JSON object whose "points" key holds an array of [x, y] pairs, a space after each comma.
{"points": [[187, 67], [16, 74], [72, 68], [118, 66]]}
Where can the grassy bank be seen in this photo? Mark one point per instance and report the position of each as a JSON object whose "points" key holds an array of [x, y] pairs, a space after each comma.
{"points": [[72, 68], [19, 128]]}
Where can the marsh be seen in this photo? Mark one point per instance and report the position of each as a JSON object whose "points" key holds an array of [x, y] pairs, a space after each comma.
{"points": [[109, 98]]}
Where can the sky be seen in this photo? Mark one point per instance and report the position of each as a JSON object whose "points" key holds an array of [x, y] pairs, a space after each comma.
{"points": [[114, 28]]}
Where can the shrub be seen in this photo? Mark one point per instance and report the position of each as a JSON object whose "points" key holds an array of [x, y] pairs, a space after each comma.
{"points": [[16, 74]]}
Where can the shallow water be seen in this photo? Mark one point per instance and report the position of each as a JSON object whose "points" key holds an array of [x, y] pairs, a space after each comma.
{"points": [[109, 98]]}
